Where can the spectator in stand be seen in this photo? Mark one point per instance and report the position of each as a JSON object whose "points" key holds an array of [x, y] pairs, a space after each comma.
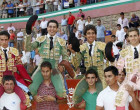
{"points": [[10, 7], [91, 1], [59, 5], [37, 8], [21, 9], [83, 2], [4, 11], [100, 31], [43, 26], [55, 5], [38, 25], [126, 41], [37, 59], [4, 2], [16, 1], [38, 33], [58, 32], [20, 40], [29, 8], [41, 6], [89, 21], [79, 14], [64, 24], [12, 37], [11, 28], [123, 21], [75, 31], [81, 24], [0, 11], [49, 5], [120, 33], [71, 21], [134, 21], [16, 9], [81, 38], [2, 28], [77, 3], [71, 3], [125, 28], [63, 35]]}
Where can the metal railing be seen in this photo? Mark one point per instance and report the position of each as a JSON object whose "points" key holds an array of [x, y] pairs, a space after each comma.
{"points": [[30, 8]]}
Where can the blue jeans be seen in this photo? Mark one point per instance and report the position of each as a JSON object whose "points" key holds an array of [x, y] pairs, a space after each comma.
{"points": [[11, 44], [37, 12], [70, 28], [32, 54]]}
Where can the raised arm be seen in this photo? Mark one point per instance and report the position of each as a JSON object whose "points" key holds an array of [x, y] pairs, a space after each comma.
{"points": [[30, 46]]}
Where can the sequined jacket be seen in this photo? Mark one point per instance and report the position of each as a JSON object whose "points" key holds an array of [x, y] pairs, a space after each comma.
{"points": [[43, 45]]}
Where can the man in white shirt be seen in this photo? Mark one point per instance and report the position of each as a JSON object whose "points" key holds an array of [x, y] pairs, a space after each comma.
{"points": [[120, 33], [11, 28], [20, 41], [55, 5], [9, 99], [106, 98], [81, 24], [123, 21], [50, 5], [64, 23], [37, 8], [43, 26]]}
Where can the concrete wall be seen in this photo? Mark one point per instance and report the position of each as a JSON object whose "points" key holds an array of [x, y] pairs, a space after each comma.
{"points": [[110, 21]]}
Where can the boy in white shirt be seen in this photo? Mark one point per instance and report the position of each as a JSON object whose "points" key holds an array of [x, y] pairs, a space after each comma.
{"points": [[115, 49], [37, 59], [106, 98], [120, 33]]}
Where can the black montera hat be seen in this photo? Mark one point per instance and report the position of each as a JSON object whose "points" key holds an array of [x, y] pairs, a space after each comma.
{"points": [[31, 23], [75, 42], [109, 52]]}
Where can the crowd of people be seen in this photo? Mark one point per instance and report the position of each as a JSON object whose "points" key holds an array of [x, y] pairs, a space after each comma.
{"points": [[16, 8], [76, 50]]}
